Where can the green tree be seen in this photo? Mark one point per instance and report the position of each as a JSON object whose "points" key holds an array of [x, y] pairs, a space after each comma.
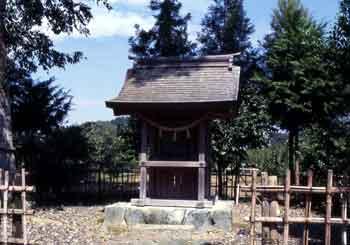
{"points": [[326, 143], [226, 29], [168, 37], [24, 46], [110, 143], [297, 84], [272, 158], [38, 108], [339, 57]]}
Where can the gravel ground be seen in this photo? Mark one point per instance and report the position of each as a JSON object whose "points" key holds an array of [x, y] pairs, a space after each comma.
{"points": [[83, 225]]}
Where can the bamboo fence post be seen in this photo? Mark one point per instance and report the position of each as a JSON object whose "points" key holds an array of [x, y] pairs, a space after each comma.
{"points": [[237, 191], [252, 210], [308, 204], [24, 208], [265, 210], [344, 214], [286, 208], [17, 225], [328, 208], [274, 211], [5, 197]]}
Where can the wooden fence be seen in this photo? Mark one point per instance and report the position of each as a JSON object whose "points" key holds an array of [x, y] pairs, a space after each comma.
{"points": [[287, 189], [120, 183], [231, 189], [88, 182], [13, 210]]}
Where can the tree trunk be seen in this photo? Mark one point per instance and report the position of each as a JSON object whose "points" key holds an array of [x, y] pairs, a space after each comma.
{"points": [[297, 159], [6, 140], [293, 144], [291, 149]]}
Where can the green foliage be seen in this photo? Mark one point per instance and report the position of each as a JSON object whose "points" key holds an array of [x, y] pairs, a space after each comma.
{"points": [[297, 82], [295, 68], [326, 144], [38, 107], [272, 158], [111, 143], [225, 28], [168, 37], [39, 110], [339, 57], [28, 46], [328, 149]]}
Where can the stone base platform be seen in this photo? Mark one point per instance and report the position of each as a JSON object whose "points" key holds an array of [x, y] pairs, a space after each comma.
{"points": [[219, 216], [172, 203]]}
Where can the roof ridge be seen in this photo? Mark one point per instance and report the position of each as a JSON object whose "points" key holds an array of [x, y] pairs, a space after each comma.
{"points": [[189, 59]]}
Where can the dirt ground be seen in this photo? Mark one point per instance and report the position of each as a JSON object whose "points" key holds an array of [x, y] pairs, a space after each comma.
{"points": [[83, 225]]}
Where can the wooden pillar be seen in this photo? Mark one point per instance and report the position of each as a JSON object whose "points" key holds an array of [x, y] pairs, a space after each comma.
{"points": [[201, 159], [143, 158]]}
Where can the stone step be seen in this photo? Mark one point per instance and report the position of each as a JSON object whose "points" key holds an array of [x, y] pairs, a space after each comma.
{"points": [[152, 227]]}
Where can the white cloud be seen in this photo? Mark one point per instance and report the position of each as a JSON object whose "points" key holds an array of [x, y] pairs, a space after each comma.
{"points": [[118, 24], [121, 22], [108, 24]]}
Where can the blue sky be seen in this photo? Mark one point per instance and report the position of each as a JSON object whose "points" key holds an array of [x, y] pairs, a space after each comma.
{"points": [[100, 76]]}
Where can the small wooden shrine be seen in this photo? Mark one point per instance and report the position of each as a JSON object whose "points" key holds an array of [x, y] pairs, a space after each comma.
{"points": [[175, 99]]}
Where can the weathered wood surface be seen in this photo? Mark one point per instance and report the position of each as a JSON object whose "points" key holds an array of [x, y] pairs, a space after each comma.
{"points": [[172, 203], [344, 215], [252, 211], [19, 214], [328, 220], [265, 211], [143, 158], [308, 202], [202, 158], [298, 189], [174, 164], [328, 208], [173, 183], [286, 208]]}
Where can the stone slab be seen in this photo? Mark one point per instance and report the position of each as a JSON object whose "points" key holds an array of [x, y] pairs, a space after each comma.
{"points": [[219, 217]]}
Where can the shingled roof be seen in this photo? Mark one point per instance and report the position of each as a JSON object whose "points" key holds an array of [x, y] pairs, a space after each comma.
{"points": [[206, 79]]}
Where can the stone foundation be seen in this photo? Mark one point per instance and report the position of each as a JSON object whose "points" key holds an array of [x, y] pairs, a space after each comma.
{"points": [[125, 214]]}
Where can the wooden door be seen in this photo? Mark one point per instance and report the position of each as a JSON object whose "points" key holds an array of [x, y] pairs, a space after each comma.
{"points": [[173, 183]]}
